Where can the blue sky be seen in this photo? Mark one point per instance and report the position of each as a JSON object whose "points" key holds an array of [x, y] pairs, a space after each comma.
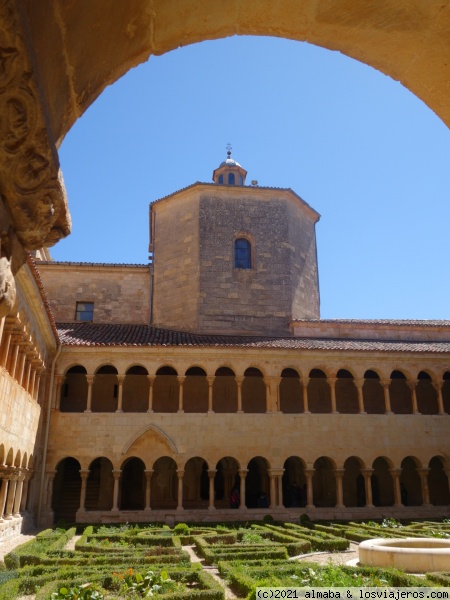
{"points": [[367, 154]]}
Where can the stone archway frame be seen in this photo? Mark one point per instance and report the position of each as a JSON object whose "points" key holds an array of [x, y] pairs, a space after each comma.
{"points": [[134, 438]]}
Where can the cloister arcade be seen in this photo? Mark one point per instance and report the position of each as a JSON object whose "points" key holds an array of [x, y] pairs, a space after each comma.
{"points": [[200, 484], [195, 391], [16, 470]]}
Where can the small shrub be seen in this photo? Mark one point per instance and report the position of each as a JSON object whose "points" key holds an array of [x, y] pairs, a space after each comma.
{"points": [[268, 519], [305, 520], [182, 529]]}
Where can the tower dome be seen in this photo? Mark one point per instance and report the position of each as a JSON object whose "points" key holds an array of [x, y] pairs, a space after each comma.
{"points": [[229, 172]]}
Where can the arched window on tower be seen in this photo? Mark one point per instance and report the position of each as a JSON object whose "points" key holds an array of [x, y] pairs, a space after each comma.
{"points": [[220, 178], [231, 178], [242, 254]]}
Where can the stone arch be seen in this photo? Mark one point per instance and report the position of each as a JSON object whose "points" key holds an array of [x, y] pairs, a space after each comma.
{"points": [[196, 483], [10, 458], [66, 489], [427, 402], [346, 393], [149, 438], [225, 398], [253, 391], [373, 393], [353, 484], [132, 484], [400, 394], [17, 460], [165, 390], [105, 389], [195, 391], [257, 488], [324, 482], [294, 482], [319, 394], [24, 461], [410, 484], [382, 482], [136, 388], [164, 484], [74, 391], [226, 479], [291, 392], [100, 485], [438, 482]]}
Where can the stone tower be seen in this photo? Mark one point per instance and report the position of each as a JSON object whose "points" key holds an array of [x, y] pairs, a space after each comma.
{"points": [[231, 258]]}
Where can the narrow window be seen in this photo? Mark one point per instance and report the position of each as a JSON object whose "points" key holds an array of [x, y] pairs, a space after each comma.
{"points": [[84, 311], [231, 178], [242, 254], [220, 178]]}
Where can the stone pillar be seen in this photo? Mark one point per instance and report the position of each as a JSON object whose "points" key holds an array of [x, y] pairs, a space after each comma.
{"points": [[239, 381], [148, 486], [31, 384], [116, 473], [272, 394], [3, 494], [26, 487], [210, 380], [5, 352], [84, 478], [120, 379], [412, 386], [359, 387], [11, 495], [90, 382], [242, 475], [424, 481], [27, 376], [15, 353], [309, 488], [59, 383], [21, 366], [18, 496], [332, 384], [211, 475], [367, 474], [438, 387], [151, 379], [305, 396], [36, 385], [387, 396], [273, 493], [181, 381], [339, 473], [396, 481], [280, 489], [180, 475], [2, 326]]}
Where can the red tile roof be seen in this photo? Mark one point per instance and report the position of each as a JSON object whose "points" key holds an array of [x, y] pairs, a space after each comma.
{"points": [[97, 334]]}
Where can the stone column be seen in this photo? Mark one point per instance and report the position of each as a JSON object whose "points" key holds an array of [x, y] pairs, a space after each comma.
{"points": [[59, 379], [11, 495], [332, 384], [90, 382], [359, 387], [49, 491], [180, 475], [21, 366], [26, 487], [2, 325], [148, 483], [280, 490], [438, 387], [239, 381], [273, 493], [211, 475], [412, 386], [14, 356], [120, 379], [367, 474], [181, 380], [3, 494], [27, 376], [339, 473], [36, 385], [18, 496], [305, 396], [242, 475], [309, 488], [424, 481], [84, 478], [210, 379], [151, 379], [5, 352], [116, 473], [31, 385], [396, 481], [272, 394], [387, 396]]}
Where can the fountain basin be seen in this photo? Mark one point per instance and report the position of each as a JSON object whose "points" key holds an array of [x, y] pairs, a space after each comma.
{"points": [[413, 555]]}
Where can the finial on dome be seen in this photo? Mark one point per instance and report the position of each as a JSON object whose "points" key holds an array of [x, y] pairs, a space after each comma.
{"points": [[229, 172], [229, 150]]}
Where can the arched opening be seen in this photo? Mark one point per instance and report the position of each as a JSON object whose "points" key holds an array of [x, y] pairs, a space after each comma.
{"points": [[319, 394], [164, 484], [324, 482], [74, 390], [291, 392], [346, 393], [253, 391], [105, 389], [136, 388], [294, 483], [196, 483], [438, 483], [400, 394], [132, 485], [165, 390], [66, 490], [382, 483], [257, 488], [353, 484], [100, 485], [195, 391], [227, 483], [242, 250], [446, 392], [427, 403], [225, 398], [373, 394], [410, 485]]}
